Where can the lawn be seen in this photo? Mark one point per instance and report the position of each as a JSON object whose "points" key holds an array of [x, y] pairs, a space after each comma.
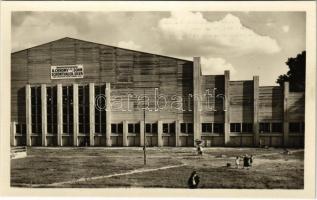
{"points": [[166, 167]]}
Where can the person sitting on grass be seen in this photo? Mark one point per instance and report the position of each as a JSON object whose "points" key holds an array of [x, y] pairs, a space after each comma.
{"points": [[251, 160], [246, 161], [193, 180]]}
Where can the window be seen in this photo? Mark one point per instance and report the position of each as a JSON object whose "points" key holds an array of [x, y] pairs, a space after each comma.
{"points": [[51, 99], [187, 128], [247, 127], [130, 128], [114, 128], [134, 128], [83, 105], [20, 129], [183, 128], [151, 128], [218, 128], [190, 128], [68, 110], [100, 110], [206, 127], [296, 127], [277, 127], [169, 128], [264, 127], [235, 127], [165, 128], [36, 109], [117, 128], [172, 128]]}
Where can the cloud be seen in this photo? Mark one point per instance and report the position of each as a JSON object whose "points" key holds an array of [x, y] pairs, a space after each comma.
{"points": [[129, 45], [211, 66], [228, 35], [285, 28]]}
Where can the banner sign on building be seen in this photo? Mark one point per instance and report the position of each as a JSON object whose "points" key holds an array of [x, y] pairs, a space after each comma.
{"points": [[67, 71]]}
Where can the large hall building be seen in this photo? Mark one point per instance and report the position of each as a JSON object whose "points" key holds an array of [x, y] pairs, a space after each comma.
{"points": [[71, 92]]}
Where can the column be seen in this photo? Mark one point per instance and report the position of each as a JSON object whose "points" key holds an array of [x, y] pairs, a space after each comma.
{"points": [[196, 98], [125, 134], [13, 133], [59, 114], [285, 115], [44, 114], [75, 114], [91, 114], [177, 131], [227, 108], [159, 133], [142, 133], [108, 115], [256, 110], [28, 116]]}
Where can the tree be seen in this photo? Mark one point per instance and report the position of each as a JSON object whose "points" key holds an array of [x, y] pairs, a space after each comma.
{"points": [[296, 74]]}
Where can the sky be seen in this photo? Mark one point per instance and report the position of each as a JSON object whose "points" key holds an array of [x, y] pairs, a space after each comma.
{"points": [[246, 43]]}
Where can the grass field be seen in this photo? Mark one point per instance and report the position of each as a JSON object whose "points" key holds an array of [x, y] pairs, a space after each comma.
{"points": [[166, 167]]}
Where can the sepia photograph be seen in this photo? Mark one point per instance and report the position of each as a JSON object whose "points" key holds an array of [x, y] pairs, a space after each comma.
{"points": [[159, 99]]}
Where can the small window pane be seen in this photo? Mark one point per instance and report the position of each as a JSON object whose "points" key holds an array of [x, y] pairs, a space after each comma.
{"points": [[183, 127], [190, 128], [277, 127], [264, 127], [165, 128], [120, 128], [148, 128], [130, 128], [154, 128], [137, 128], [113, 128], [172, 128]]}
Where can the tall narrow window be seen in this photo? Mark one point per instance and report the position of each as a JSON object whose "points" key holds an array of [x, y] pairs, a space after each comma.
{"points": [[51, 98], [100, 110], [36, 110], [83, 105], [68, 110]]}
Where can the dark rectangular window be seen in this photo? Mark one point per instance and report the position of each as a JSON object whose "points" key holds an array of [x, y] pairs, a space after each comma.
{"points": [[277, 127], [137, 128], [154, 128], [51, 99], [264, 127], [190, 128], [218, 128], [83, 105], [294, 127], [206, 127], [235, 127], [148, 128], [120, 128], [130, 128], [183, 128], [172, 128], [247, 127], [36, 112], [134, 128], [18, 129], [67, 109], [100, 109], [165, 128], [114, 128]]}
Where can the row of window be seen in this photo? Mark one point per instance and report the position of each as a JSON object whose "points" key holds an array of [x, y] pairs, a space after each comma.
{"points": [[169, 128]]}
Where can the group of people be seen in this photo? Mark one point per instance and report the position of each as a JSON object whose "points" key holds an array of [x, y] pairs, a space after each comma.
{"points": [[247, 161]]}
